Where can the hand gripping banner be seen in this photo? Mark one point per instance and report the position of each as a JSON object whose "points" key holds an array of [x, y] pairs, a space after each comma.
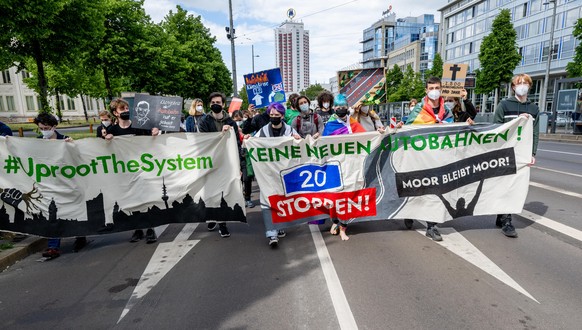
{"points": [[424, 172], [54, 188]]}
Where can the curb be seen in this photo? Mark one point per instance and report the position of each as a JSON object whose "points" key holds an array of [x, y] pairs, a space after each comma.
{"points": [[21, 250], [571, 138]]}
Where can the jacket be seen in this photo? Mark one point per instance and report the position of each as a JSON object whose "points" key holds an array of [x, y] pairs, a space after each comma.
{"points": [[511, 107]]}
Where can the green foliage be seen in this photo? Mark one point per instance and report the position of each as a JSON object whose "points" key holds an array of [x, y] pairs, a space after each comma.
{"points": [[499, 54], [312, 91], [437, 68], [244, 96], [394, 78], [574, 68], [410, 87]]}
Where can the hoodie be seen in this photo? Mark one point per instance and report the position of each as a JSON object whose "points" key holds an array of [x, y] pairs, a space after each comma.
{"points": [[511, 108]]}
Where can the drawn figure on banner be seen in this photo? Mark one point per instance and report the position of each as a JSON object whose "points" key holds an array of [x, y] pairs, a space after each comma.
{"points": [[277, 93], [141, 111], [461, 210], [258, 99]]}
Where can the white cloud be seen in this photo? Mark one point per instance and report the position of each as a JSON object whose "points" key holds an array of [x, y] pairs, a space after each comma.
{"points": [[335, 28]]}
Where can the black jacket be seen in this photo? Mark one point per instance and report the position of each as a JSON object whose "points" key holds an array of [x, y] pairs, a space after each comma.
{"points": [[256, 123], [510, 108]]}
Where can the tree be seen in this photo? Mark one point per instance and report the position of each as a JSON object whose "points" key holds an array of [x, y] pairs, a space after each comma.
{"points": [[242, 93], [393, 79], [498, 56], [52, 32], [410, 87], [437, 68], [312, 91], [574, 68]]}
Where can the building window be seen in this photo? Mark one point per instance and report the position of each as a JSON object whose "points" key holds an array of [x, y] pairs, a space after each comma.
{"points": [[30, 103], [10, 103], [2, 108], [6, 77]]}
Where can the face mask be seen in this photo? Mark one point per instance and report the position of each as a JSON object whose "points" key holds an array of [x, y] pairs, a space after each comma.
{"points": [[275, 120], [341, 112], [124, 115], [365, 109], [304, 107], [411, 108], [326, 105], [47, 134], [434, 94], [521, 90], [106, 123], [199, 108], [450, 105], [239, 122], [216, 108]]}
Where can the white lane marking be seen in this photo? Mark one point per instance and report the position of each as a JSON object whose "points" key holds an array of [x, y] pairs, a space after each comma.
{"points": [[459, 245], [559, 227], [560, 152], [554, 189], [338, 298], [556, 171], [166, 256]]}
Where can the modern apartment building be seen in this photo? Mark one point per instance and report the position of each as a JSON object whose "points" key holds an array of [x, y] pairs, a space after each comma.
{"points": [[466, 22], [292, 55], [20, 103]]}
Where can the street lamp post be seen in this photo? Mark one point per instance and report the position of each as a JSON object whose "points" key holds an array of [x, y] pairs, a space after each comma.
{"points": [[231, 36], [544, 93], [253, 56]]}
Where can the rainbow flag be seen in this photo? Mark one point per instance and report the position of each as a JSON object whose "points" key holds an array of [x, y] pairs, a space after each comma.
{"points": [[336, 127], [423, 114]]}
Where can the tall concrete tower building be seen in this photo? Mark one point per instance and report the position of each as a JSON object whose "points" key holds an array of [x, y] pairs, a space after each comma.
{"points": [[292, 55]]}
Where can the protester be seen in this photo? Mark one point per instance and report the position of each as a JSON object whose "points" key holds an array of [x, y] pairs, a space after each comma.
{"points": [[47, 124], [196, 115], [276, 128], [293, 110], [324, 103], [247, 175], [5, 130], [256, 122], [105, 118], [509, 109], [123, 126], [463, 110], [430, 110], [368, 118], [308, 122], [341, 123], [412, 104], [218, 120]]}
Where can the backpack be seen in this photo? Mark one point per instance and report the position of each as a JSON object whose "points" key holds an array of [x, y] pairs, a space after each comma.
{"points": [[315, 121]]}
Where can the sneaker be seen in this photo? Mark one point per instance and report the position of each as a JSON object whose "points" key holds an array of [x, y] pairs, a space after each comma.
{"points": [[137, 235], [151, 236], [51, 253], [508, 229], [502, 218], [80, 243], [433, 233], [281, 233], [273, 241], [223, 231], [249, 204], [211, 226]]}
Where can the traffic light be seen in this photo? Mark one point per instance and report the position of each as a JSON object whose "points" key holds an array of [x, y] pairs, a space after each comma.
{"points": [[228, 34]]}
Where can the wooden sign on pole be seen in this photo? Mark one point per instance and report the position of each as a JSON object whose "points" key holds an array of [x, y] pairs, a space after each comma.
{"points": [[453, 81]]}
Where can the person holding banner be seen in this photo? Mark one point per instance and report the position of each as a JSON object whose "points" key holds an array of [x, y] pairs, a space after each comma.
{"points": [[430, 110], [507, 110], [324, 103], [105, 118], [123, 126], [368, 118], [196, 115], [218, 120], [308, 122], [276, 128], [463, 110]]}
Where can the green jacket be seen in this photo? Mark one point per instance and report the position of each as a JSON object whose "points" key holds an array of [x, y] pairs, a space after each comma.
{"points": [[510, 108]]}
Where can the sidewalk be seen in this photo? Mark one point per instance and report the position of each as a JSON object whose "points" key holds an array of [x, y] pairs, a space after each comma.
{"points": [[21, 250], [570, 138]]}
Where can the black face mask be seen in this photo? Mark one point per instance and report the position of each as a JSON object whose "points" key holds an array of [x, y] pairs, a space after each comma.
{"points": [[275, 120], [341, 112], [216, 108], [124, 115]]}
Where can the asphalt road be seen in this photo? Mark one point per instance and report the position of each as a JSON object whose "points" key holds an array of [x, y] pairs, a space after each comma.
{"points": [[384, 277]]}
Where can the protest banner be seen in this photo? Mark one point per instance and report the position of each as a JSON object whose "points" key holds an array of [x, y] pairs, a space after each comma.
{"points": [[265, 87], [235, 104], [91, 186], [453, 81], [432, 173], [151, 111]]}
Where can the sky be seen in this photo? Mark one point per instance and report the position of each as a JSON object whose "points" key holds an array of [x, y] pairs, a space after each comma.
{"points": [[335, 28]]}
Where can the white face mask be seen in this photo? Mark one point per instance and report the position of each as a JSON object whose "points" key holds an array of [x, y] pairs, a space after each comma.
{"points": [[521, 90], [326, 105], [239, 122], [365, 109], [411, 108], [199, 108], [434, 94], [450, 105], [47, 134], [304, 107], [106, 123]]}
